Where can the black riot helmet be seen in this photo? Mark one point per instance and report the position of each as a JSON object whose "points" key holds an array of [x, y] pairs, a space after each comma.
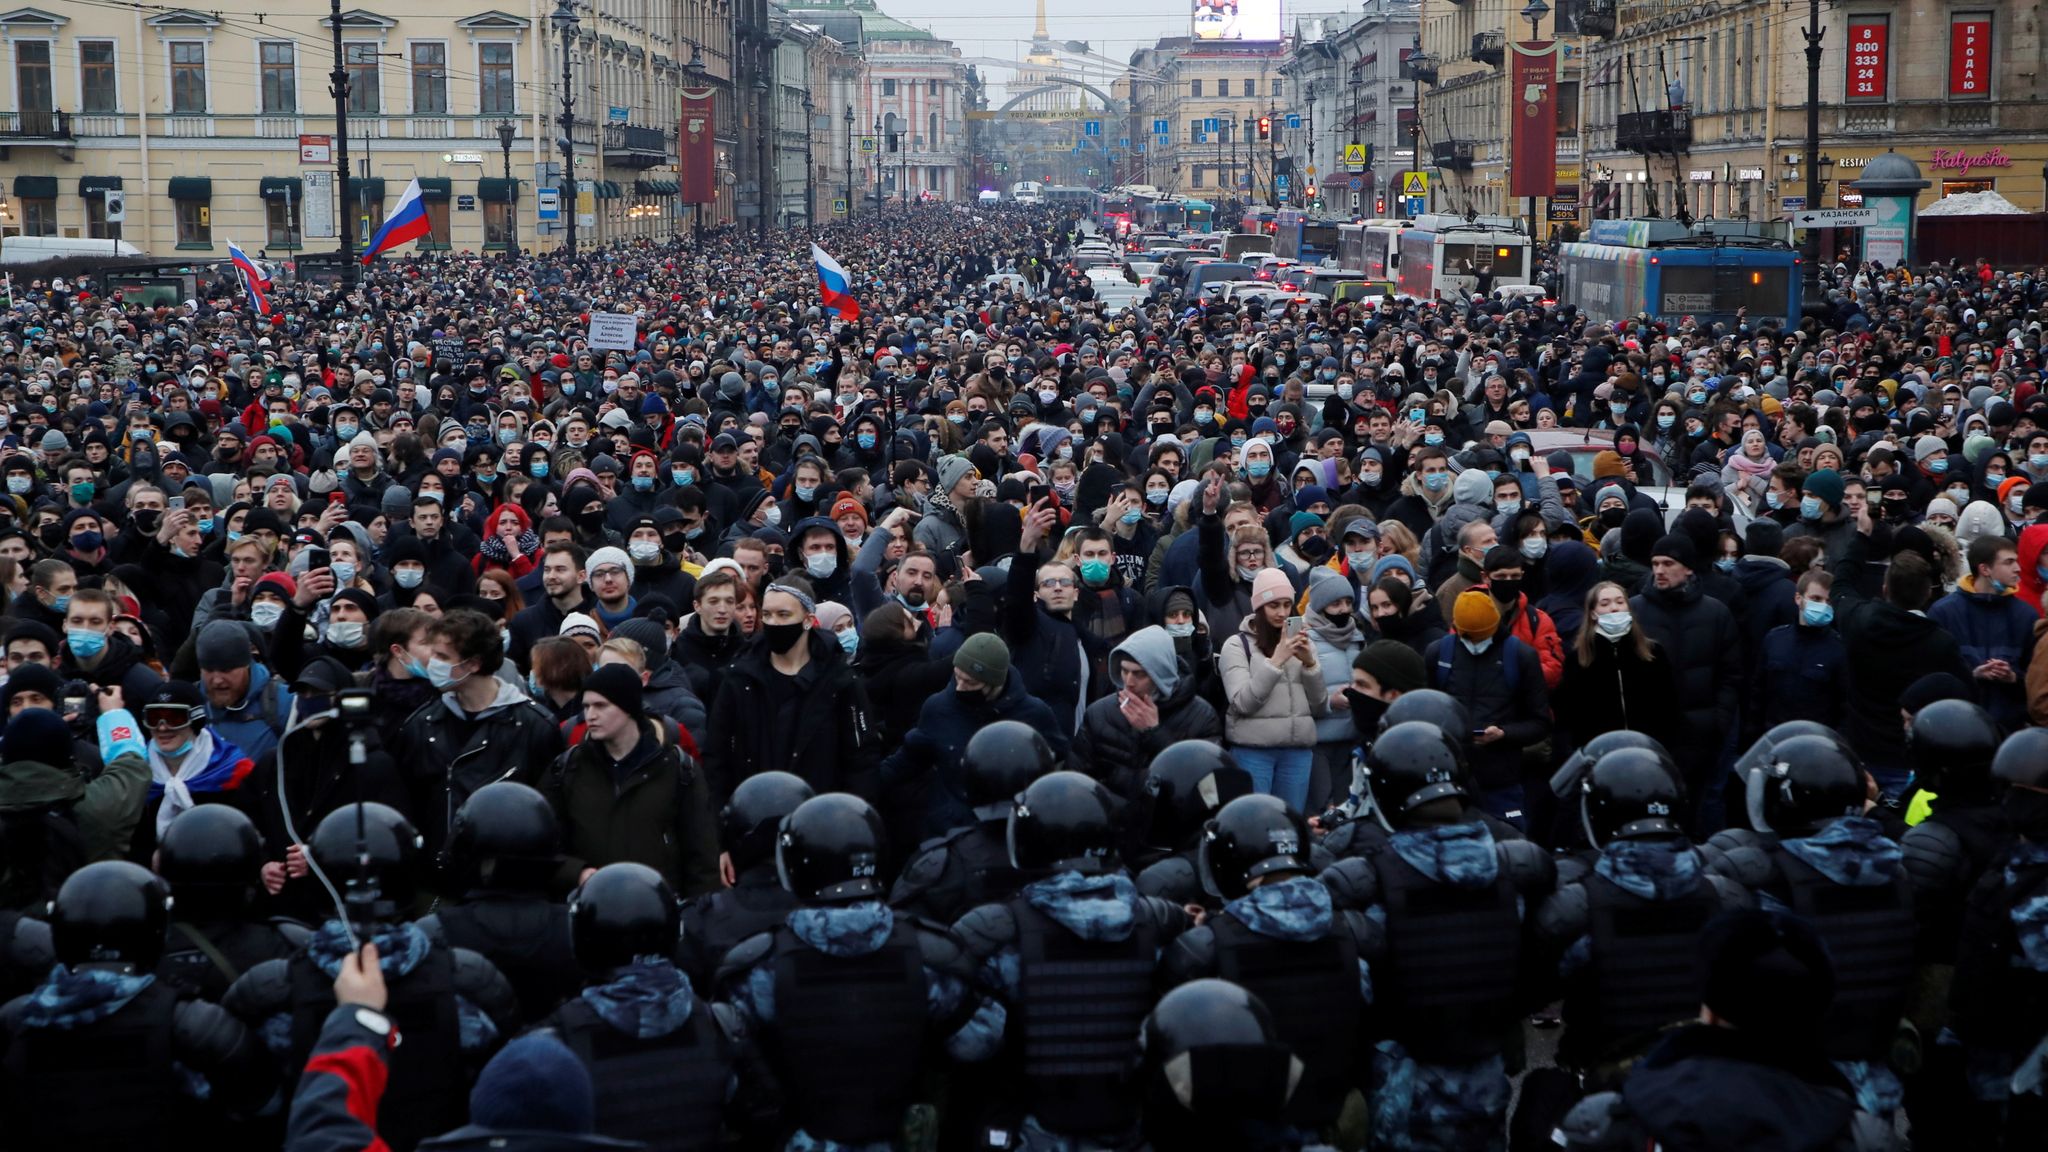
{"points": [[1632, 794], [1760, 753], [1952, 743], [506, 836], [1064, 822], [112, 913], [2023, 759], [1571, 775], [1809, 782], [1251, 838], [1431, 707], [622, 913], [212, 857], [1217, 1075], [1411, 764], [1186, 784], [750, 819], [830, 850], [387, 865], [1002, 760]]}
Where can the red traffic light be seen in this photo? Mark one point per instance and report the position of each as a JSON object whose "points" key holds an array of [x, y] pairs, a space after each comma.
{"points": [[1265, 127]]}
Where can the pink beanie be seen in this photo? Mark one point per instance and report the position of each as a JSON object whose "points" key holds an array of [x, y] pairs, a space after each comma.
{"points": [[1271, 584]]}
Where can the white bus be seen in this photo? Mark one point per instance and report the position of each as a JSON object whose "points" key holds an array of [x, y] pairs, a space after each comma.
{"points": [[1027, 192], [1442, 256], [1371, 246]]}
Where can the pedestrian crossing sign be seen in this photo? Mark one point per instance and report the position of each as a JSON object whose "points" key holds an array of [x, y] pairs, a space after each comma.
{"points": [[1415, 184]]}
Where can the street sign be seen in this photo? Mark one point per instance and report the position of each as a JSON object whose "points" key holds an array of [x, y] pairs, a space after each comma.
{"points": [[1415, 184], [1091, 128], [1413, 205], [1294, 121], [1357, 183], [1281, 179], [618, 115], [316, 149], [1209, 125], [1835, 218], [1123, 141], [1354, 156], [547, 204], [839, 206], [867, 143], [465, 203], [1794, 203], [1161, 128]]}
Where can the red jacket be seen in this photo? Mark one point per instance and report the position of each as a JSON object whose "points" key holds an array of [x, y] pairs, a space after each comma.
{"points": [[1532, 626]]}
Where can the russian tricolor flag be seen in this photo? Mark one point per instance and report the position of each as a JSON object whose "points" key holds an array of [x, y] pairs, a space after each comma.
{"points": [[407, 222], [254, 279], [835, 289]]}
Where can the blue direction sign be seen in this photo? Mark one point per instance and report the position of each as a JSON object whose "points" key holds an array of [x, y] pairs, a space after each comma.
{"points": [[1209, 125], [1293, 120], [1413, 205], [1091, 128], [1161, 128], [1123, 141]]}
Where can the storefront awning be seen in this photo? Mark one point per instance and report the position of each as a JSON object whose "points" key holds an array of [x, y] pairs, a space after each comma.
{"points": [[36, 187], [497, 190], [191, 188], [280, 188], [92, 185], [435, 187]]}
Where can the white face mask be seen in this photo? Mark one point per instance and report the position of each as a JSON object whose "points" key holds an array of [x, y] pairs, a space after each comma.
{"points": [[267, 614], [345, 633], [644, 551]]}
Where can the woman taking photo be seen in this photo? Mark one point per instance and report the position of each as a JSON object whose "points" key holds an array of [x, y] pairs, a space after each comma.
{"points": [[1275, 690], [1616, 677]]}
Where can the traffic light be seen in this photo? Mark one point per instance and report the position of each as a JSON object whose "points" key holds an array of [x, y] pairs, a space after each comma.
{"points": [[892, 141], [1379, 205], [1265, 127]]}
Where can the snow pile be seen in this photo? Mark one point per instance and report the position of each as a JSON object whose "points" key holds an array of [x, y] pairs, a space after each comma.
{"points": [[1973, 204]]}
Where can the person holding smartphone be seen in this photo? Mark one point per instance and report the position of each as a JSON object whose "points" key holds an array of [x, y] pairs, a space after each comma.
{"points": [[1274, 687]]}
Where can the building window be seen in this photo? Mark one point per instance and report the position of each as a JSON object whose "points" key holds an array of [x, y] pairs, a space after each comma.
{"points": [[888, 87], [430, 79], [363, 96], [1568, 108], [195, 223], [96, 225], [498, 93], [1195, 88], [280, 77], [281, 222], [437, 222], [97, 90], [33, 83], [1195, 176], [1194, 131], [498, 224], [1278, 85], [931, 132], [38, 216], [188, 77], [931, 87]]}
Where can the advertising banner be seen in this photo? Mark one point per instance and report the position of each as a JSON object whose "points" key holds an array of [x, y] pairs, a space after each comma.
{"points": [[1869, 45], [1532, 81], [696, 154], [1969, 55], [1237, 19]]}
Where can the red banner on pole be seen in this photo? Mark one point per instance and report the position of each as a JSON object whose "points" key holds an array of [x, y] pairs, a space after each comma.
{"points": [[1969, 56], [1532, 169], [1869, 44], [696, 154]]}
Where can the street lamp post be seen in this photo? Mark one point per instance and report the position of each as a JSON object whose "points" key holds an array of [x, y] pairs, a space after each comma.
{"points": [[1811, 276], [1534, 12], [505, 134], [810, 181], [849, 162], [565, 22], [694, 71], [338, 86], [771, 158], [878, 165]]}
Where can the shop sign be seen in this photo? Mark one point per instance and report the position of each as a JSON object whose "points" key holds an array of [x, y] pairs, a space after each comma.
{"points": [[1958, 161]]}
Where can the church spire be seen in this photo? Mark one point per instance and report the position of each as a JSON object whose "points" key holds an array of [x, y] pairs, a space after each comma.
{"points": [[1040, 34]]}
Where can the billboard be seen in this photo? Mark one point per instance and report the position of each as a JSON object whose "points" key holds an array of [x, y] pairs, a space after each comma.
{"points": [[1237, 20]]}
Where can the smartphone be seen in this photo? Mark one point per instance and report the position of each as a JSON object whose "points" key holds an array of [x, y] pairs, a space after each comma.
{"points": [[1036, 493], [337, 498], [1295, 624], [177, 503], [317, 557], [1418, 414]]}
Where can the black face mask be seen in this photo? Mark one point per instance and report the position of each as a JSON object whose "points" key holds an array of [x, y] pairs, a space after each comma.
{"points": [[148, 520], [1506, 591], [590, 519], [1314, 548], [1337, 619], [52, 534], [1612, 517], [676, 542], [782, 637], [1365, 713]]}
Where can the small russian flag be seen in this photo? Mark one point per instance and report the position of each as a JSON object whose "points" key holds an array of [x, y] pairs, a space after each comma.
{"points": [[254, 279], [835, 289], [407, 221]]}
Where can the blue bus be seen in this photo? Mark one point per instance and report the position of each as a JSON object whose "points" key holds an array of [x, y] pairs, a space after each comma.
{"points": [[1300, 236], [1671, 273]]}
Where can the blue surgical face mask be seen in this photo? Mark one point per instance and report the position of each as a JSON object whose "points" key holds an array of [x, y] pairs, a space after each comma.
{"points": [[1433, 439], [19, 485], [1132, 516], [1993, 479], [1725, 564], [681, 477], [1435, 481], [409, 577], [442, 675], [343, 572], [507, 435], [84, 642], [849, 640], [1816, 614], [1809, 507], [1665, 420], [1258, 469], [538, 469], [1181, 631], [1938, 466], [806, 492], [643, 483], [864, 439]]}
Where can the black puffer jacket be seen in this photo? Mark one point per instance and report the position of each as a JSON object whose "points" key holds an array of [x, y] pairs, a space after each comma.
{"points": [[817, 727], [1699, 636], [1112, 751]]}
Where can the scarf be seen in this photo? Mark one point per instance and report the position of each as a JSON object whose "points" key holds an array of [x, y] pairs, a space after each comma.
{"points": [[1748, 467], [206, 767], [493, 547]]}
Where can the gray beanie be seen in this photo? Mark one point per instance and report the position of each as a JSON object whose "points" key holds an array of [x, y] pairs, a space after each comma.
{"points": [[54, 441], [731, 385], [397, 502], [223, 646], [951, 469], [1326, 587]]}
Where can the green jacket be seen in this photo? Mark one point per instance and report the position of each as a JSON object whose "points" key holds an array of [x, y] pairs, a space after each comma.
{"points": [[104, 808], [652, 808]]}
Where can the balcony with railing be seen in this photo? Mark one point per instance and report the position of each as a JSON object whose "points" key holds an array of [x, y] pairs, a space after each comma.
{"points": [[35, 126], [632, 146], [1420, 67], [1490, 47], [1665, 132], [1597, 18], [1452, 155]]}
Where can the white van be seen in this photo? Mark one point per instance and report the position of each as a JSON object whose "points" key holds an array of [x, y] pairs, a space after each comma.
{"points": [[989, 196], [36, 249]]}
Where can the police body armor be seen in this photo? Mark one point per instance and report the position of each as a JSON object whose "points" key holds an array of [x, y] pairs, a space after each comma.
{"points": [[1176, 878], [429, 1090], [1311, 989], [1644, 974], [974, 869], [848, 1034], [667, 1092], [1453, 957], [526, 938], [203, 960], [717, 922], [1870, 934], [1983, 832], [105, 1087], [1081, 1004]]}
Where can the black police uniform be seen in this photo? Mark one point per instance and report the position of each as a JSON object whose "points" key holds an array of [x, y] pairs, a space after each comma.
{"points": [[524, 935], [205, 958], [717, 922]]}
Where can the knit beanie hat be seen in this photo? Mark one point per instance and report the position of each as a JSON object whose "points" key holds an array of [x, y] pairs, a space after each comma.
{"points": [[649, 634], [1474, 614], [846, 505], [1393, 665], [1608, 463], [37, 734], [1326, 587], [1301, 522], [951, 469], [619, 684], [1678, 547], [1271, 584], [1826, 484], [534, 1084], [223, 646], [985, 657]]}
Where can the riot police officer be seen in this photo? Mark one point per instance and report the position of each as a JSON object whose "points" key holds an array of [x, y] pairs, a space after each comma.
{"points": [[2000, 999], [1367, 834], [451, 1005], [1568, 784], [213, 859], [1625, 934], [504, 853], [1217, 1073], [1187, 783], [716, 922], [1816, 853], [1452, 896], [970, 865], [843, 995], [1282, 936], [664, 1063], [1071, 958], [1950, 744], [94, 1056]]}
